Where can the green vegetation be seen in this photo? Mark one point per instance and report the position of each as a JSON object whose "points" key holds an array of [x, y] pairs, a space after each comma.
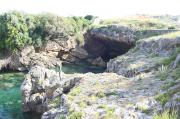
{"points": [[168, 85], [167, 115], [75, 115], [143, 109], [20, 29], [175, 73], [172, 35], [142, 23], [75, 91], [163, 72], [55, 102], [163, 98], [167, 61], [109, 112]]}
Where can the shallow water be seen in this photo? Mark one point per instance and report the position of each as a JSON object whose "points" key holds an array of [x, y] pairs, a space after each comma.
{"points": [[10, 95]]}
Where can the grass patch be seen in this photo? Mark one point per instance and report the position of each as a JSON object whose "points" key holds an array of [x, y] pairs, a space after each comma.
{"points": [[109, 112], [163, 72], [163, 98], [167, 115], [74, 92], [178, 99], [176, 73], [143, 109], [55, 102], [167, 61], [142, 23], [171, 35], [75, 115], [168, 85]]}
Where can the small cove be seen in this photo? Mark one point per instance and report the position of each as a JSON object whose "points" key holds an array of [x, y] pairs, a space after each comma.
{"points": [[10, 95]]}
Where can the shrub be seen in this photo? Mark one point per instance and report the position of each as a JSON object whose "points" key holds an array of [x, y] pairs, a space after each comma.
{"points": [[19, 29]]}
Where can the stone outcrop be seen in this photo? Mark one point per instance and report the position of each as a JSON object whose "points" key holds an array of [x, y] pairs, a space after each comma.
{"points": [[27, 58], [147, 55], [108, 41], [44, 89]]}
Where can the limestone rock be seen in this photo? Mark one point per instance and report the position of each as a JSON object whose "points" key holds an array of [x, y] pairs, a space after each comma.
{"points": [[147, 55], [41, 86]]}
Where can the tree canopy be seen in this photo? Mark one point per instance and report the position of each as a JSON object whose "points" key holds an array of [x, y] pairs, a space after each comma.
{"points": [[19, 29]]}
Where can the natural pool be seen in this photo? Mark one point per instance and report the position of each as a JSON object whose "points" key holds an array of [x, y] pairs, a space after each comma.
{"points": [[10, 95]]}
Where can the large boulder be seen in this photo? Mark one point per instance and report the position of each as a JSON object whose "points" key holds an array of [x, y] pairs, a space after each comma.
{"points": [[108, 41]]}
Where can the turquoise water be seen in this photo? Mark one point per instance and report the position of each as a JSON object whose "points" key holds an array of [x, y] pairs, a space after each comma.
{"points": [[10, 95], [81, 68]]}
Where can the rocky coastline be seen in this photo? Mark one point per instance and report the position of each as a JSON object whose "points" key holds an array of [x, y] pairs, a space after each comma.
{"points": [[126, 90]]}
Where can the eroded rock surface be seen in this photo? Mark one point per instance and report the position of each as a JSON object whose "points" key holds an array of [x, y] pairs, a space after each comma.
{"points": [[147, 55]]}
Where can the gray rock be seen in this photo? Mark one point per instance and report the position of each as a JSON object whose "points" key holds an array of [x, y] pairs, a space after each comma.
{"points": [[146, 56], [41, 86]]}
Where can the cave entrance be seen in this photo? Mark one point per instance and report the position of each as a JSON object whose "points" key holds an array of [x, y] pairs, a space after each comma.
{"points": [[106, 48]]}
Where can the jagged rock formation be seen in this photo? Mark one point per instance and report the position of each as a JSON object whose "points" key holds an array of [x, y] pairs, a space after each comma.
{"points": [[109, 41], [148, 54], [42, 86]]}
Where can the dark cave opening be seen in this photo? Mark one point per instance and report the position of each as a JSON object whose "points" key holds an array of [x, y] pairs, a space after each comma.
{"points": [[106, 48]]}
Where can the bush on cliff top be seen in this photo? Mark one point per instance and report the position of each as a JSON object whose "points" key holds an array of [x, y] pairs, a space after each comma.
{"points": [[19, 29]]}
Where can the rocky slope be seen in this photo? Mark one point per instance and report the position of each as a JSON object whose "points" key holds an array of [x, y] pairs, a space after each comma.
{"points": [[146, 85], [88, 95], [147, 55]]}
